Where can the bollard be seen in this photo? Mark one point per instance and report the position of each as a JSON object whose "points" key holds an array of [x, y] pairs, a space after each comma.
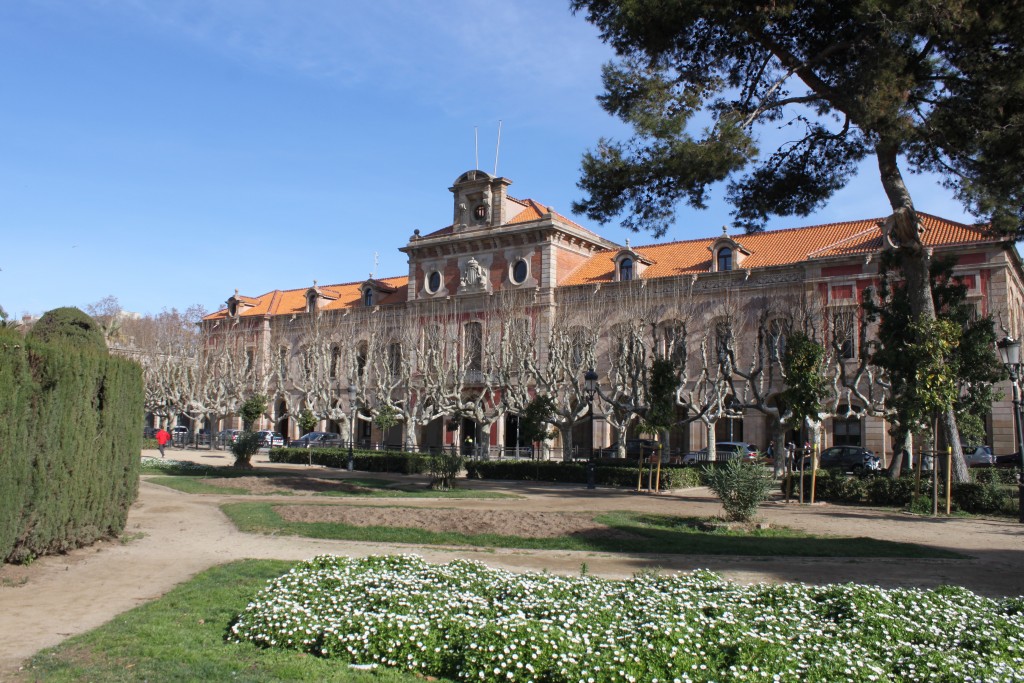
{"points": [[591, 474]]}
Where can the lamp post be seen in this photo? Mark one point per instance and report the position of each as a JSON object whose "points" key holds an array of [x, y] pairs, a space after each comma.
{"points": [[590, 388], [351, 426], [1009, 354]]}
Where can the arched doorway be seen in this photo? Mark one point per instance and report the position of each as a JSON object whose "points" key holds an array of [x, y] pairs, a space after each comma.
{"points": [[469, 433], [515, 444], [281, 415], [730, 426]]}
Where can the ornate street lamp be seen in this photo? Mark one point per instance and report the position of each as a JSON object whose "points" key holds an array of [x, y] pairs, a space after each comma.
{"points": [[590, 388], [351, 426], [1009, 354]]}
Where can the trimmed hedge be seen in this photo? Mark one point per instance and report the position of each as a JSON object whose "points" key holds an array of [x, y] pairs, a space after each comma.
{"points": [[364, 461], [988, 496], [622, 473], [610, 471], [69, 440]]}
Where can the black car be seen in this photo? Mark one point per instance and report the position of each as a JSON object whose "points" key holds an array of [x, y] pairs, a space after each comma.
{"points": [[849, 458], [634, 448], [1011, 460]]}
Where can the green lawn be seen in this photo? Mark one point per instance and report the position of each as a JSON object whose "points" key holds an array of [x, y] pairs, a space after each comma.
{"points": [[180, 637], [652, 533]]}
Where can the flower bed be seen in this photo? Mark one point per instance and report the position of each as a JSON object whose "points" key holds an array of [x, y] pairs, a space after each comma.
{"points": [[466, 621]]}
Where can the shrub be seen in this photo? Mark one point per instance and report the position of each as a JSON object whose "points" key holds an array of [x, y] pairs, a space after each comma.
{"points": [[891, 492], [741, 487], [1007, 475], [609, 472], [244, 447], [69, 437], [69, 325], [987, 497], [443, 467], [365, 461]]}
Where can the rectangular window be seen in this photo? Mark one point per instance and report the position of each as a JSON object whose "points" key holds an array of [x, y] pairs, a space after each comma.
{"points": [[846, 432]]}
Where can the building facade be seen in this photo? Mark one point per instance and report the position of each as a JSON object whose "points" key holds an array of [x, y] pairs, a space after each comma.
{"points": [[512, 300]]}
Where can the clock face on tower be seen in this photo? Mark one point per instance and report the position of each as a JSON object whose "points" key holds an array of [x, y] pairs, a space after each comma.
{"points": [[480, 212]]}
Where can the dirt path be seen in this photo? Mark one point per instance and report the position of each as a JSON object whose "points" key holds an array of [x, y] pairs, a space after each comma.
{"points": [[171, 536]]}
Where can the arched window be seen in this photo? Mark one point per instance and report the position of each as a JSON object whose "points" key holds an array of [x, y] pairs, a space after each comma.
{"points": [[474, 347], [368, 297], [724, 259], [395, 358], [335, 360], [362, 352], [626, 269]]}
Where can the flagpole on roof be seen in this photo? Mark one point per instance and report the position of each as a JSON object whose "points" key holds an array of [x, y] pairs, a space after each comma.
{"points": [[497, 148]]}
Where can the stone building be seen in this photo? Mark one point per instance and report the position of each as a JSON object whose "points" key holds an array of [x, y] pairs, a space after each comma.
{"points": [[512, 299]]}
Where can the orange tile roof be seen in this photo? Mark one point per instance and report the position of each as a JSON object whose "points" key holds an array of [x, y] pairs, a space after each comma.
{"points": [[535, 210], [347, 295], [775, 248]]}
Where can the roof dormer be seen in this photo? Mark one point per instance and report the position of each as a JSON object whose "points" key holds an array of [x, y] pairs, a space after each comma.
{"points": [[726, 253], [315, 295], [239, 304], [629, 264], [372, 291]]}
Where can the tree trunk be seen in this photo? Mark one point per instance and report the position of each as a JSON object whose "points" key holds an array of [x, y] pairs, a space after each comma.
{"points": [[566, 434], [905, 446], [712, 451], [915, 263], [779, 437], [409, 435]]}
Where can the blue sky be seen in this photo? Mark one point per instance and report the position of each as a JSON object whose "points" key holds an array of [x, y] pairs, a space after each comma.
{"points": [[168, 152]]}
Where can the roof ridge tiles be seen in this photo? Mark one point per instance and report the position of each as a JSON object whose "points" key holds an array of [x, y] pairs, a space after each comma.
{"points": [[838, 243]]}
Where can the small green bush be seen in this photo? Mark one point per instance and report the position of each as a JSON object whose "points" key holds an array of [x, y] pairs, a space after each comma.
{"points": [[443, 467], [1002, 475], [891, 492], [244, 447], [740, 486]]}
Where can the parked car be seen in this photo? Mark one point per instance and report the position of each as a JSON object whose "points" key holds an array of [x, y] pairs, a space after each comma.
{"points": [[226, 437], [269, 439], [317, 440], [849, 458], [1011, 460], [634, 448], [181, 435], [724, 450], [203, 437], [979, 456]]}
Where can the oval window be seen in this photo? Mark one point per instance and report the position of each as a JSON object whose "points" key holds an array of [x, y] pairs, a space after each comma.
{"points": [[520, 269], [433, 281]]}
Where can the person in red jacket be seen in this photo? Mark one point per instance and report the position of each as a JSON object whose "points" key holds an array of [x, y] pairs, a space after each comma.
{"points": [[162, 437]]}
